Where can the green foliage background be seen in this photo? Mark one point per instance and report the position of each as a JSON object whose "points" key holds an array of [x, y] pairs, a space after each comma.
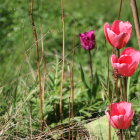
{"points": [[19, 97]]}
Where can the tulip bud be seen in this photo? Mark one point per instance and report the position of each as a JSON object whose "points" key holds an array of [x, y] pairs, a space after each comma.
{"points": [[87, 40]]}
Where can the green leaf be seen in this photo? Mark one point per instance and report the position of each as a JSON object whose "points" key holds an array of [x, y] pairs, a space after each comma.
{"points": [[95, 85], [99, 129], [83, 77]]}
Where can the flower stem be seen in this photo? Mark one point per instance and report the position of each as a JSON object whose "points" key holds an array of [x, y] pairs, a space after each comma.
{"points": [[117, 79], [118, 51], [90, 64], [125, 88], [121, 88], [116, 86], [121, 134]]}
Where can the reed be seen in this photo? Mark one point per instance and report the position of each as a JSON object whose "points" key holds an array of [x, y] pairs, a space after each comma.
{"points": [[63, 59], [44, 62], [38, 66], [136, 19], [108, 90], [72, 71]]}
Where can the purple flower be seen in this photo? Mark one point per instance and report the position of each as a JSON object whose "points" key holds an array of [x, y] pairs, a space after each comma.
{"points": [[87, 40]]}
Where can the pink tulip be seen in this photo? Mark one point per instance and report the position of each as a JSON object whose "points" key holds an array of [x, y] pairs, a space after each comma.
{"points": [[120, 115], [118, 34], [127, 63], [87, 40]]}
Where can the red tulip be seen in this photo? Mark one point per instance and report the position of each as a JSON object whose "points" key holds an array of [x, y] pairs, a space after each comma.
{"points": [[120, 115], [87, 40], [127, 63], [118, 34]]}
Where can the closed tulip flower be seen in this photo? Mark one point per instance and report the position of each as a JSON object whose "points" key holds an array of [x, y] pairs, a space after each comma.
{"points": [[118, 34], [120, 115], [127, 63], [87, 40]]}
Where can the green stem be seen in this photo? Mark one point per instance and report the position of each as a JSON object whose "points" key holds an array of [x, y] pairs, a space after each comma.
{"points": [[116, 82], [121, 89], [117, 91], [118, 51], [121, 134], [125, 88], [90, 64]]}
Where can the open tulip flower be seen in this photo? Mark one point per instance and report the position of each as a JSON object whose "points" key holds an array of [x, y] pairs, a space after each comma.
{"points": [[127, 63], [87, 40], [120, 115], [118, 34]]}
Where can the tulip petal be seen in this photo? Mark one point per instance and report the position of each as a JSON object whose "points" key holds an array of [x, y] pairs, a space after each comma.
{"points": [[119, 27], [119, 108], [128, 51], [125, 59], [117, 41], [106, 26], [90, 34], [115, 27], [114, 109], [119, 121], [124, 108], [126, 27], [128, 120], [110, 120], [123, 69], [125, 105], [132, 52], [132, 68], [130, 115], [114, 59], [136, 56]]}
